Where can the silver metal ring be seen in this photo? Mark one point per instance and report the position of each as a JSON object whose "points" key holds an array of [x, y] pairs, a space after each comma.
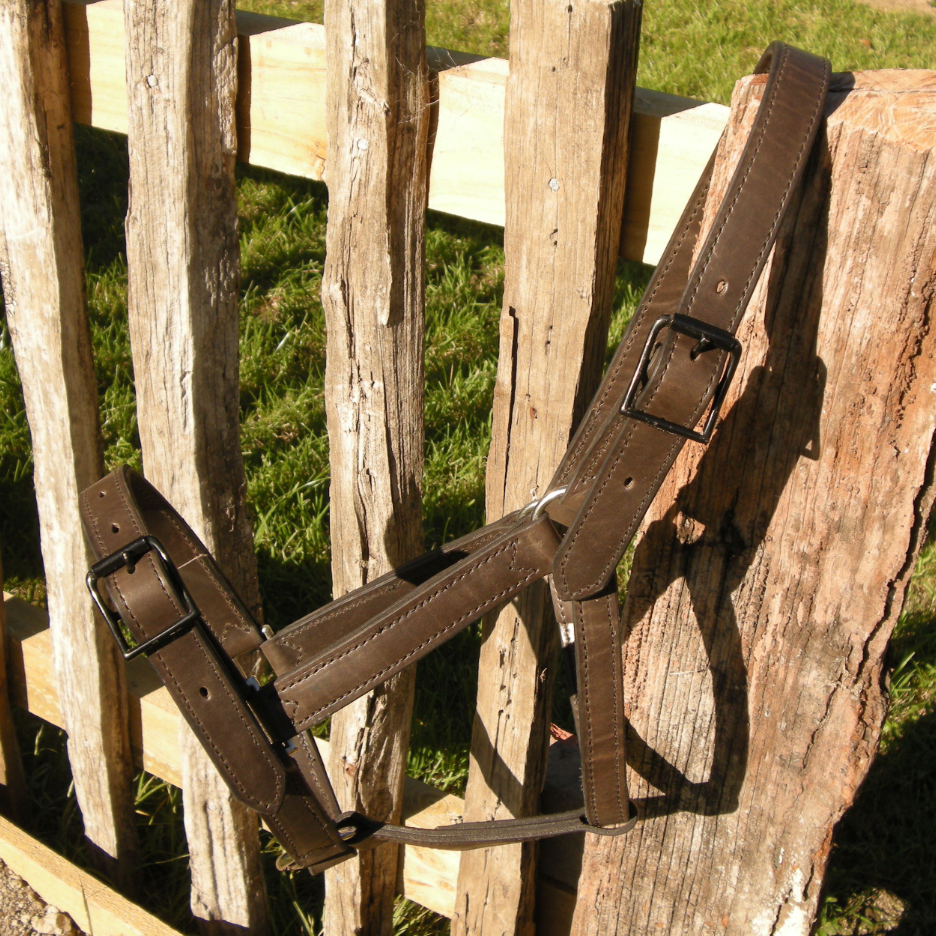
{"points": [[544, 500]]}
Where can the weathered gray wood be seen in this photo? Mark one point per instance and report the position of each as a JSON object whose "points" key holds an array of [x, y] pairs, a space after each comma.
{"points": [[569, 97], [42, 266], [372, 291], [182, 254], [774, 563]]}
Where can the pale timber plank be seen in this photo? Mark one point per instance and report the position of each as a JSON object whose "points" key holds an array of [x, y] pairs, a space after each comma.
{"points": [[281, 120], [91, 904]]}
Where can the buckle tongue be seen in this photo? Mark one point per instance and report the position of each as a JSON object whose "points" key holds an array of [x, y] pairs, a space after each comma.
{"points": [[710, 337], [127, 558]]}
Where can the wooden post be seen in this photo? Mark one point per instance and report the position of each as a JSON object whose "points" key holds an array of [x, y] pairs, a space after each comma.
{"points": [[42, 265], [182, 254], [569, 97], [774, 563], [372, 291]]}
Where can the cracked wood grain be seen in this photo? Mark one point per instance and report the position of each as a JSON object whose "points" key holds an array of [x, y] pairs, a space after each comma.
{"points": [[773, 564], [569, 99], [183, 265], [373, 294], [42, 266]]}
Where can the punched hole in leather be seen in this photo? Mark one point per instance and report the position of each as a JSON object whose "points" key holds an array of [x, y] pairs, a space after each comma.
{"points": [[155, 582]]}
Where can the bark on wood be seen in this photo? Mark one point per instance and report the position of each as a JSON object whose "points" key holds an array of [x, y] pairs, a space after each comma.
{"points": [[42, 266], [568, 107], [182, 253], [372, 291], [774, 563]]}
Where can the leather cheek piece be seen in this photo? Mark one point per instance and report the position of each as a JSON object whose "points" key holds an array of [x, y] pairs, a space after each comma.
{"points": [[191, 667], [599, 704]]}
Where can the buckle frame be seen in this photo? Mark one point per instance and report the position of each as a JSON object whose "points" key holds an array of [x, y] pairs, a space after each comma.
{"points": [[128, 558], [710, 337]]}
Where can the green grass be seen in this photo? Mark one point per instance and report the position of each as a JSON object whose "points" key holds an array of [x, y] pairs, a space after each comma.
{"points": [[884, 865], [883, 857]]}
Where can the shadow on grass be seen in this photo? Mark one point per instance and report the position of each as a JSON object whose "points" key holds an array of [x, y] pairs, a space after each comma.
{"points": [[19, 529], [887, 840], [55, 819]]}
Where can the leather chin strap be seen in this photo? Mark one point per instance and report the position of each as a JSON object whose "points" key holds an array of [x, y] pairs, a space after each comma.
{"points": [[165, 590]]}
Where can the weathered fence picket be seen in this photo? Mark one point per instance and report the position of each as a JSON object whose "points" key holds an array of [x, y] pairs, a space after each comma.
{"points": [[373, 291], [42, 266], [571, 84], [183, 273]]}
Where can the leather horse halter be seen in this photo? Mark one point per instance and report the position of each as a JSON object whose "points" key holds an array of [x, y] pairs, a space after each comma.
{"points": [[674, 363]]}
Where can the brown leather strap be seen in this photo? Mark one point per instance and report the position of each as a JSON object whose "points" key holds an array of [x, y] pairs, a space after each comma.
{"points": [[598, 702], [601, 491], [305, 815], [616, 463], [197, 666], [465, 836], [296, 645]]}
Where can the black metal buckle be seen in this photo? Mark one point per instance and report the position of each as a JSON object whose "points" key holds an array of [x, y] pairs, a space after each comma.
{"points": [[709, 338], [128, 558]]}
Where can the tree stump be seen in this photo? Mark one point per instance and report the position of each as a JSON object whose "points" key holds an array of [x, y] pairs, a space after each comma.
{"points": [[42, 263], [183, 264], [569, 99], [373, 294], [773, 564]]}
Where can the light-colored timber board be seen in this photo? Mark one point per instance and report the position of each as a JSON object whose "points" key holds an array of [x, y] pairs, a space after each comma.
{"points": [[91, 904], [429, 875], [281, 120]]}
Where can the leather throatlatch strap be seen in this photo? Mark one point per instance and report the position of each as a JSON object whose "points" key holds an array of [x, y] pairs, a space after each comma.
{"points": [[165, 591]]}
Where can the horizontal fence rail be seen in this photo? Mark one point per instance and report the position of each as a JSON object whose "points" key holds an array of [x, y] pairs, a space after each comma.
{"points": [[94, 906], [281, 120]]}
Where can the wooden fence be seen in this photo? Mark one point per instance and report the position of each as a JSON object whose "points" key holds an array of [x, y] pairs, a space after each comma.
{"points": [[278, 120], [281, 124]]}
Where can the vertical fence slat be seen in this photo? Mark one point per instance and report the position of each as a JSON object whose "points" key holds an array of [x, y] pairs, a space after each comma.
{"points": [[373, 289], [42, 266], [182, 253], [569, 98], [775, 561]]}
